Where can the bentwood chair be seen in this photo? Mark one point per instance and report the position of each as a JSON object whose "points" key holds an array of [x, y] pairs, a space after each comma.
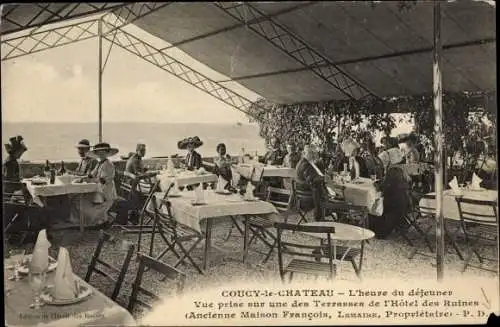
{"points": [[303, 200], [147, 263], [310, 255], [97, 260], [479, 221]]}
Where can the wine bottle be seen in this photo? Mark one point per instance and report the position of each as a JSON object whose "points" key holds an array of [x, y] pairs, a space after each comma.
{"points": [[62, 171], [52, 175], [47, 166]]}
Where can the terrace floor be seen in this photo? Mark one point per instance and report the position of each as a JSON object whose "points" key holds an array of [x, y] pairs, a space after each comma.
{"points": [[386, 258]]}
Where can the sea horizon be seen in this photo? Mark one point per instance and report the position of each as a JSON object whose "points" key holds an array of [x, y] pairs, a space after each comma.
{"points": [[55, 141]]}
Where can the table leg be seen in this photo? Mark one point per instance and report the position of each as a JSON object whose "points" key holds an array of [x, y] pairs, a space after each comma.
{"points": [[82, 227], [245, 240], [208, 243]]}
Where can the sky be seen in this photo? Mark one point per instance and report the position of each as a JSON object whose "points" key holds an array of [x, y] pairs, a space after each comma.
{"points": [[61, 85]]}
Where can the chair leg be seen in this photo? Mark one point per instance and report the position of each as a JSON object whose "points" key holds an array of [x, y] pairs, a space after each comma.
{"points": [[290, 278], [187, 256]]}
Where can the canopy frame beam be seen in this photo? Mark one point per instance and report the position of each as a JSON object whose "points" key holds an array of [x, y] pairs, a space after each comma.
{"points": [[293, 46], [133, 44], [55, 15]]}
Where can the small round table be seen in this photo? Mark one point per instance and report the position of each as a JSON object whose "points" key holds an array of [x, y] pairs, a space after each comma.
{"points": [[344, 233]]}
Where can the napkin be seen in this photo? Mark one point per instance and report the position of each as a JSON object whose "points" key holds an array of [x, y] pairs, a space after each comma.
{"points": [[454, 184], [175, 189], [221, 183], [40, 259], [64, 282], [249, 191], [476, 182], [200, 196]]}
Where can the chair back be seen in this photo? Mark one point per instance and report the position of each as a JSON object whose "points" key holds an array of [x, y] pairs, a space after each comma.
{"points": [[349, 211], [280, 198], [97, 260], [128, 186], [424, 210], [470, 213], [164, 222], [170, 272], [296, 248], [14, 193], [257, 175]]}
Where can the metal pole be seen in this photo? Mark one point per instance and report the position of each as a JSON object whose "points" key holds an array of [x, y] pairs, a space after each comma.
{"points": [[99, 83], [438, 140]]}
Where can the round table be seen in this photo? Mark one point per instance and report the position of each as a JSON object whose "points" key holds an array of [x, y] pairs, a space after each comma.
{"points": [[347, 234]]}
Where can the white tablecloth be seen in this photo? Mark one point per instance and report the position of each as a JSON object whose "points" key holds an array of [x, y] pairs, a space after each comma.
{"points": [[185, 178], [245, 170], [362, 194], [58, 188], [217, 205], [450, 206]]}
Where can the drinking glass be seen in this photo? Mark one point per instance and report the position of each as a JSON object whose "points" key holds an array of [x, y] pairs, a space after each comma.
{"points": [[468, 185], [37, 280], [17, 257]]}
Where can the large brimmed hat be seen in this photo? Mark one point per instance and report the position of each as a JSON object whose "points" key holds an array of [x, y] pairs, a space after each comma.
{"points": [[349, 145], [103, 147], [83, 144], [16, 144], [182, 144]]}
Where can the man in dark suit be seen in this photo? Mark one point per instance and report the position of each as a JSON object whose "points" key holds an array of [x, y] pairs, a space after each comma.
{"points": [[87, 164], [310, 178], [276, 155]]}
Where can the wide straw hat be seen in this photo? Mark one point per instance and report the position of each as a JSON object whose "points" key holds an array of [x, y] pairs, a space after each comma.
{"points": [[83, 144], [182, 144], [349, 145], [103, 147]]}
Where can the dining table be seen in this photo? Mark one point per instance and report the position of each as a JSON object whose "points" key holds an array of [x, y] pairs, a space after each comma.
{"points": [[184, 178], [361, 191], [345, 235], [450, 206], [40, 189], [96, 310], [214, 206], [246, 169]]}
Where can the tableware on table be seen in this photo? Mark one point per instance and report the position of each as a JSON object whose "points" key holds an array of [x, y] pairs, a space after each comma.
{"points": [[468, 185], [17, 257], [24, 267], [197, 203], [200, 194], [40, 258], [373, 177], [476, 182], [84, 292], [224, 192], [37, 281], [454, 184], [39, 181], [65, 287]]}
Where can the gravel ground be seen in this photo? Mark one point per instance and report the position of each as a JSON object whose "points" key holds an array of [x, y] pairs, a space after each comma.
{"points": [[383, 259]]}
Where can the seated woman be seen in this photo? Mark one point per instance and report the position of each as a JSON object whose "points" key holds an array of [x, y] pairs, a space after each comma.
{"points": [[11, 171], [374, 165], [94, 207], [193, 158], [223, 165], [357, 165]]}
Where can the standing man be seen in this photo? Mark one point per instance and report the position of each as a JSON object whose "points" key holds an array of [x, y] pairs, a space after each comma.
{"points": [[134, 163], [87, 164]]}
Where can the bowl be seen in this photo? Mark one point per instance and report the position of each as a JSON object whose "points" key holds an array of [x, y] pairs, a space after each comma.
{"points": [[65, 179]]}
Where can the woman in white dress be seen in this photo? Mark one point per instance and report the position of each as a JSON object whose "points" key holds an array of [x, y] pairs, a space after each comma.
{"points": [[94, 207]]}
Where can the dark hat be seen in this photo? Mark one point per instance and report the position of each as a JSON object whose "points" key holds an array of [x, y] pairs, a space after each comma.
{"points": [[103, 147], [16, 144], [83, 144], [182, 144]]}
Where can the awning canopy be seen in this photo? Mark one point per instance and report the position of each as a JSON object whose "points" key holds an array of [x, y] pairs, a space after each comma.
{"points": [[293, 52], [386, 48]]}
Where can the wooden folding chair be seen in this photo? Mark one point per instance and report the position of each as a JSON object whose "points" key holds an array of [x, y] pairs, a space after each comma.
{"points": [[174, 234], [96, 259], [300, 197], [18, 208], [313, 265], [261, 227], [256, 180], [145, 262], [479, 228], [422, 219]]}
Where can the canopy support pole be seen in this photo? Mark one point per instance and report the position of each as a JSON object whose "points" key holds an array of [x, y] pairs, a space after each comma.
{"points": [[438, 140], [99, 83]]}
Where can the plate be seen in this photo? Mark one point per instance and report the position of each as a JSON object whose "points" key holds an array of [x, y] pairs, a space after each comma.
{"points": [[225, 192], [38, 182], [174, 195], [85, 292], [24, 269], [251, 200], [193, 202]]}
